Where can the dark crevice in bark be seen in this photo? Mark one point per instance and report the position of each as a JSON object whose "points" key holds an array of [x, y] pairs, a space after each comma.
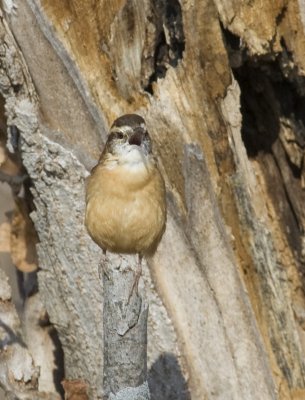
{"points": [[270, 90], [170, 42], [58, 372], [281, 15], [273, 128]]}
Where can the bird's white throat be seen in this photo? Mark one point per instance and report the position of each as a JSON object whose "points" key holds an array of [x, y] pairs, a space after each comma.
{"points": [[132, 158]]}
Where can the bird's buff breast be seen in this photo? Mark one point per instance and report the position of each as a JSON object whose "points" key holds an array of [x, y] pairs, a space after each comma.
{"points": [[126, 209]]}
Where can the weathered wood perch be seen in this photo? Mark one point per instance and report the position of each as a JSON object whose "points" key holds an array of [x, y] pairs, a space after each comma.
{"points": [[125, 330]]}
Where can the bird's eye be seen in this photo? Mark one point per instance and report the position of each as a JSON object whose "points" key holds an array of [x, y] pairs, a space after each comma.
{"points": [[120, 135]]}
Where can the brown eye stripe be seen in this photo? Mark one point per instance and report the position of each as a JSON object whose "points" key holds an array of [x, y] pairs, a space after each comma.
{"points": [[115, 135], [111, 137]]}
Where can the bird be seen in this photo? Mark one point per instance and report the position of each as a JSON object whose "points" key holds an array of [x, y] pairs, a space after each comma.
{"points": [[125, 193]]}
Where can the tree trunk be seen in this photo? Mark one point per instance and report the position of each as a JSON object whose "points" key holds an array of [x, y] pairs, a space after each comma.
{"points": [[221, 87]]}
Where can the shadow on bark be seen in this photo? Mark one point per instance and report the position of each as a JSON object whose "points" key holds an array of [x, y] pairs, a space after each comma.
{"points": [[58, 371], [166, 381], [10, 337]]}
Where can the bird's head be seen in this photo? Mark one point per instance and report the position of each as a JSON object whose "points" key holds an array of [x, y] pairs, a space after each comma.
{"points": [[128, 140]]}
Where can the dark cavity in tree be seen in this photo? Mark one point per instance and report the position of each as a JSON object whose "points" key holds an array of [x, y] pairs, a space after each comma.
{"points": [[170, 42], [271, 89]]}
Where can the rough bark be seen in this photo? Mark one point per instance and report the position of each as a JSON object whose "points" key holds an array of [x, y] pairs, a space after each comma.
{"points": [[125, 330], [19, 370], [221, 86]]}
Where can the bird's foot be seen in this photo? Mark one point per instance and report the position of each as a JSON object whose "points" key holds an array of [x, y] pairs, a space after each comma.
{"points": [[102, 268]]}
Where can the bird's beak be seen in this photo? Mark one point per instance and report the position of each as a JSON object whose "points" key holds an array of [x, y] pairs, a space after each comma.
{"points": [[136, 138]]}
